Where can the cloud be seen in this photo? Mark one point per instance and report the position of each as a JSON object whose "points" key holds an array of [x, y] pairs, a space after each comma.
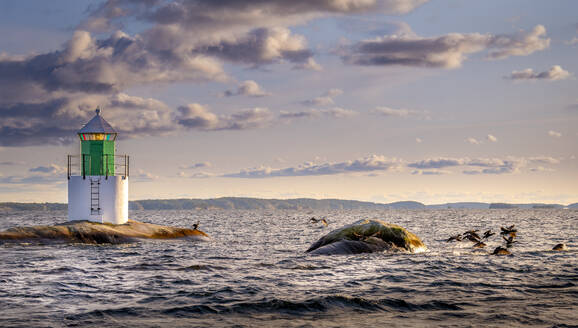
{"points": [[572, 42], [197, 165], [541, 169], [50, 174], [143, 176], [33, 179], [473, 141], [249, 32], [262, 46], [555, 73], [324, 100], [403, 113], [12, 163], [100, 66], [447, 51], [197, 175], [46, 97], [418, 140], [554, 134], [50, 169], [368, 164], [212, 16], [436, 163], [247, 88], [196, 116], [374, 164], [335, 112], [56, 121], [487, 165], [491, 138], [430, 172], [544, 160]]}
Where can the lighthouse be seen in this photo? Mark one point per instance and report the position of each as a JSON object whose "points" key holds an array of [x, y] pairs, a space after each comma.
{"points": [[97, 177]]}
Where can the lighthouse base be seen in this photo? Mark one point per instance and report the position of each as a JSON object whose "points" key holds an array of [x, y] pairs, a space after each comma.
{"points": [[98, 199]]}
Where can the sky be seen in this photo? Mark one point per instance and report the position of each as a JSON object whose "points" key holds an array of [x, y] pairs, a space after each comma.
{"points": [[428, 100]]}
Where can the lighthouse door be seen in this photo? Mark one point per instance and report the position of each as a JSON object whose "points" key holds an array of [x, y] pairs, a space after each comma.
{"points": [[96, 158]]}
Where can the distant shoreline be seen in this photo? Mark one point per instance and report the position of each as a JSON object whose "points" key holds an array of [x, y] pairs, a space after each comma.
{"points": [[243, 203]]}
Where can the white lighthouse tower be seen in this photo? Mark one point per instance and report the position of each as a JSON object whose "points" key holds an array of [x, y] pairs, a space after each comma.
{"points": [[97, 178]]}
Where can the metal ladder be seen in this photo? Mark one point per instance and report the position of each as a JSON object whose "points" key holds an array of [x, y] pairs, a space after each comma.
{"points": [[95, 196]]}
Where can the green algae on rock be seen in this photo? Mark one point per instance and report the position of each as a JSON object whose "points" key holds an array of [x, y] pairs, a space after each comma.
{"points": [[367, 236], [99, 233]]}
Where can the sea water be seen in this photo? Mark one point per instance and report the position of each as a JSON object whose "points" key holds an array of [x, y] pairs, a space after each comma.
{"points": [[254, 273]]}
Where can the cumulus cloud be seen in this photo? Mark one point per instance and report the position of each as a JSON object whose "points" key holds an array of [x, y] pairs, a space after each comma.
{"points": [[56, 121], [436, 163], [447, 51], [143, 176], [473, 141], [543, 160], [403, 113], [262, 46], [197, 165], [325, 99], [555, 73], [554, 134], [491, 138], [374, 164], [196, 116], [475, 166], [367, 164], [45, 97], [197, 175], [541, 169], [251, 32], [335, 112], [100, 66], [50, 169], [209, 15], [247, 88]]}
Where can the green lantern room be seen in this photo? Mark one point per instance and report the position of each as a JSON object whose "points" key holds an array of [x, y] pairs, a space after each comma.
{"points": [[97, 139]]}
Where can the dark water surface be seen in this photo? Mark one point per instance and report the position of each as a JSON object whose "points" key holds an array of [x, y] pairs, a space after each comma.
{"points": [[254, 273]]}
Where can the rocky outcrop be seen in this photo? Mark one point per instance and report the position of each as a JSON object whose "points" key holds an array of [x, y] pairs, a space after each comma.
{"points": [[98, 233], [367, 236]]}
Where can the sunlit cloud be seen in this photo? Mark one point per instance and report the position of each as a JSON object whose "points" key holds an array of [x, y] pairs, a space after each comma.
{"points": [[335, 112], [555, 73], [325, 99], [401, 113], [447, 51], [491, 138], [473, 141], [554, 134], [198, 165], [247, 88], [196, 116], [143, 176], [364, 165]]}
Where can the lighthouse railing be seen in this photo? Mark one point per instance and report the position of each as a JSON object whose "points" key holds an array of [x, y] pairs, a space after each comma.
{"points": [[81, 165]]}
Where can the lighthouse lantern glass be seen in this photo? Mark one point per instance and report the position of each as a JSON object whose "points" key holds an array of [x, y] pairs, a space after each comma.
{"points": [[97, 136]]}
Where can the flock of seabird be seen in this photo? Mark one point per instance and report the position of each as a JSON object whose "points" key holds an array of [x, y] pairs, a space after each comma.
{"points": [[508, 235]]}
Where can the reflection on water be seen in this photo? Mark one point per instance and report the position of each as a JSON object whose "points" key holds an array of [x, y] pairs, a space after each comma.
{"points": [[254, 272]]}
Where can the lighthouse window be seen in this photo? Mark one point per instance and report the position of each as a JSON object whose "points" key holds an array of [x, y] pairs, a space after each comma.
{"points": [[97, 136]]}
